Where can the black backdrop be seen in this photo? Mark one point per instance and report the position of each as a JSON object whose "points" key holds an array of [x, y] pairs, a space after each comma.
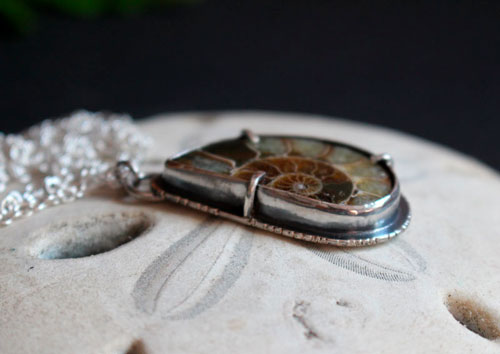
{"points": [[428, 69]]}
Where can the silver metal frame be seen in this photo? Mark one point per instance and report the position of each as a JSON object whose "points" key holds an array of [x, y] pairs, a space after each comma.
{"points": [[279, 211]]}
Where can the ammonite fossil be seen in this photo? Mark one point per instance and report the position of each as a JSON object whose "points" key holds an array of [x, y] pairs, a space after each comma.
{"points": [[306, 188]]}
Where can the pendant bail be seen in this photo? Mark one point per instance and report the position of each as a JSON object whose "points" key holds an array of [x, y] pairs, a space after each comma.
{"points": [[140, 187]]}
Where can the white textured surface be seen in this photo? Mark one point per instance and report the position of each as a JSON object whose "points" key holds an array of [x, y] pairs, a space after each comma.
{"points": [[194, 284]]}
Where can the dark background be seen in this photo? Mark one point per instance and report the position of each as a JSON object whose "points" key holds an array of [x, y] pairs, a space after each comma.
{"points": [[427, 68]]}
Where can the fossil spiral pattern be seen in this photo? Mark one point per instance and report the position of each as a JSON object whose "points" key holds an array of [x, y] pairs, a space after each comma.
{"points": [[305, 176], [327, 172]]}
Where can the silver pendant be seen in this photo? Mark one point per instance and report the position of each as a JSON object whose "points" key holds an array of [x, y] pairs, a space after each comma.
{"points": [[308, 189]]}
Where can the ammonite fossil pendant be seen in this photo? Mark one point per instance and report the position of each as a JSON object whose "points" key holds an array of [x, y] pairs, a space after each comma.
{"points": [[309, 189]]}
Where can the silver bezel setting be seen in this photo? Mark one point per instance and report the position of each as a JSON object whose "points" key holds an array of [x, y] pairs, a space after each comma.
{"points": [[286, 213]]}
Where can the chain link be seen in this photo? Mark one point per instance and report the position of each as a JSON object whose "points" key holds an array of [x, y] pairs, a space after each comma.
{"points": [[59, 161]]}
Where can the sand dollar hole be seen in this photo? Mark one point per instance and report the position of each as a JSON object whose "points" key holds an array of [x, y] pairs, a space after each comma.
{"points": [[137, 347], [89, 236], [474, 316]]}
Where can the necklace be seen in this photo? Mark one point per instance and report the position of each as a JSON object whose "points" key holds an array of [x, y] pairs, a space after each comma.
{"points": [[301, 187]]}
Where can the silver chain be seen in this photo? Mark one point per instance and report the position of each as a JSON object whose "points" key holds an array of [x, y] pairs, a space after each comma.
{"points": [[61, 160]]}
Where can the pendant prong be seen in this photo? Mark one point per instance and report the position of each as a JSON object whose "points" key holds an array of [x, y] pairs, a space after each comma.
{"points": [[385, 157], [250, 135], [250, 195]]}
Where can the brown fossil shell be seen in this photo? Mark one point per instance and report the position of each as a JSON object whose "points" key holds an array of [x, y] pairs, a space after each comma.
{"points": [[305, 176], [325, 171]]}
